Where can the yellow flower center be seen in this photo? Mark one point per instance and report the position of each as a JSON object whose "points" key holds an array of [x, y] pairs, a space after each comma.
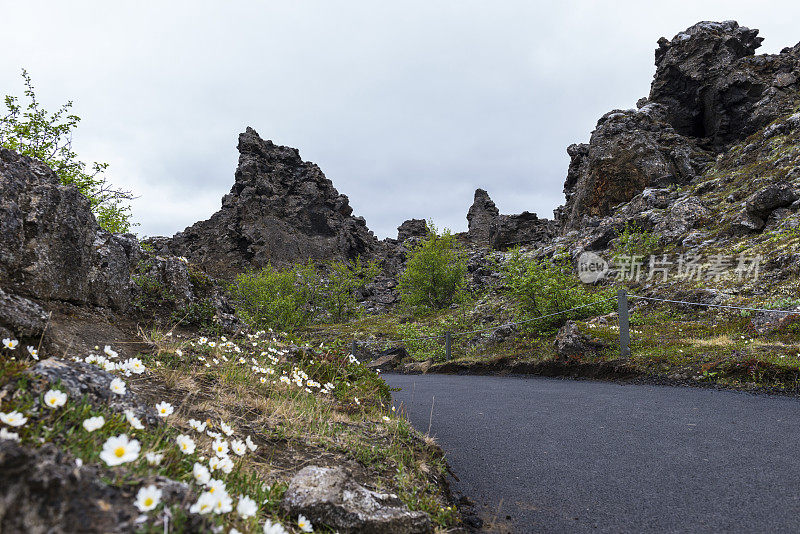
{"points": [[211, 489], [53, 400], [119, 452], [148, 501]]}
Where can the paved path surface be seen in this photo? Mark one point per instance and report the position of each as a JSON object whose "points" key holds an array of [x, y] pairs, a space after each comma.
{"points": [[548, 455]]}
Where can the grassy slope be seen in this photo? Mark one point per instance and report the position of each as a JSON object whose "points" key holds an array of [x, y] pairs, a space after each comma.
{"points": [[353, 425]]}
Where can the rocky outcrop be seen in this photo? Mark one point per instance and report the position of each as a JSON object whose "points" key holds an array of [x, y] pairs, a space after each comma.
{"points": [[487, 227], [81, 379], [412, 228], [52, 247], [21, 318], [523, 229], [714, 87], [280, 210], [709, 91], [332, 497], [628, 152], [482, 217], [43, 490]]}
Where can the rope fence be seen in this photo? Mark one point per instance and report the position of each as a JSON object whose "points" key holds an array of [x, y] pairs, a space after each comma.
{"points": [[622, 299]]}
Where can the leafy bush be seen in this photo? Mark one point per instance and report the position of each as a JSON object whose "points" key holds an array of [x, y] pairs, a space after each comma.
{"points": [[295, 297], [47, 137], [435, 273], [542, 287], [339, 287], [200, 314], [274, 298], [634, 241]]}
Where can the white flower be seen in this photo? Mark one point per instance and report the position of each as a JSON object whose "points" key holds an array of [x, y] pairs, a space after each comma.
{"points": [[10, 344], [238, 447], [33, 352], [274, 528], [213, 463], [197, 425], [202, 340], [148, 498], [110, 352], [220, 447], [185, 443], [304, 524], [212, 434], [134, 421], [118, 386], [93, 423], [222, 502], [234, 531], [201, 474], [246, 507], [204, 504], [215, 485], [119, 450], [78, 463], [179, 353], [5, 434], [386, 419], [226, 428], [134, 365], [212, 344], [225, 465], [164, 409], [55, 398], [154, 458], [250, 445], [13, 418]]}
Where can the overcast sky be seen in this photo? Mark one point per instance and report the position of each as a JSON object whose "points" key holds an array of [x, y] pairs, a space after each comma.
{"points": [[406, 106]]}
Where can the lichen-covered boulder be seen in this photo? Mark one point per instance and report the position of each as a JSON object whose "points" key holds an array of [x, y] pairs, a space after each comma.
{"points": [[52, 246], [331, 496]]}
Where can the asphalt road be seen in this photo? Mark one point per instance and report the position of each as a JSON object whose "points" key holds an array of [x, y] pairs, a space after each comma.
{"points": [[549, 455]]}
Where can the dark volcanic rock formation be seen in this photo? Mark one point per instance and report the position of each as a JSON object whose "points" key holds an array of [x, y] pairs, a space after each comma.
{"points": [[488, 228], [482, 217], [709, 91], [628, 152], [412, 228], [714, 87], [523, 229], [281, 209]]}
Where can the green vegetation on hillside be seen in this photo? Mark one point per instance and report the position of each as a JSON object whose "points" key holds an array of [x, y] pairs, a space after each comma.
{"points": [[435, 273], [33, 131]]}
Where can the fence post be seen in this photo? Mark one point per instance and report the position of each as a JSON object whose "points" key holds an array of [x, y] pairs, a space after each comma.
{"points": [[624, 325], [447, 344]]}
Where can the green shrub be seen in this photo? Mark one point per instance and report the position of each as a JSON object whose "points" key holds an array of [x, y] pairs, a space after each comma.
{"points": [[435, 273], [297, 296], [634, 241], [283, 299], [48, 137], [340, 286], [542, 287], [200, 313]]}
